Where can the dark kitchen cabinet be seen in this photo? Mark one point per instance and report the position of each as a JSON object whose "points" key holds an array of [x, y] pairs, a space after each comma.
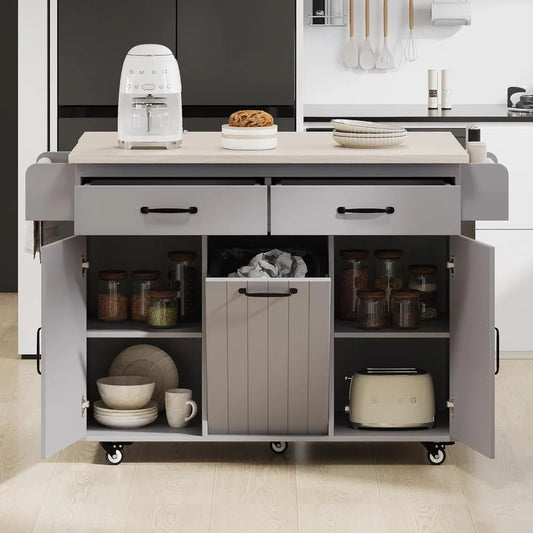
{"points": [[94, 37], [236, 52]]}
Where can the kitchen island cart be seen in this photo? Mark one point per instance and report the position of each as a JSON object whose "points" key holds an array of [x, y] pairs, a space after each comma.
{"points": [[268, 358]]}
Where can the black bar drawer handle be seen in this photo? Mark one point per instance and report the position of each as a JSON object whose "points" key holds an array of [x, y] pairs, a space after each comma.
{"points": [[343, 210], [267, 294], [146, 210]]}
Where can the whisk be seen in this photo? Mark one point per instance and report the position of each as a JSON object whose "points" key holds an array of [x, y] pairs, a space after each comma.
{"points": [[411, 53]]}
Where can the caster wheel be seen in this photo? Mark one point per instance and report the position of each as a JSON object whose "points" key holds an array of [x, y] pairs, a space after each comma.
{"points": [[278, 447], [114, 458], [437, 458]]}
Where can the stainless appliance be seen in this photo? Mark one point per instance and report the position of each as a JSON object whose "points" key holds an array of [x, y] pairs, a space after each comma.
{"points": [[391, 398], [149, 102]]}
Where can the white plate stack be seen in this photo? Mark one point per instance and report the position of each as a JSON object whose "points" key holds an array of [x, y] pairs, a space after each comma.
{"points": [[364, 134], [125, 418]]}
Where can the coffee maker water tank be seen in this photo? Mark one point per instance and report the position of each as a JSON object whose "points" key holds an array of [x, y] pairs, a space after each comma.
{"points": [[149, 102]]}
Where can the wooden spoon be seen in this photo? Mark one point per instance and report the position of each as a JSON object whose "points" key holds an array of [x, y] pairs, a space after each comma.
{"points": [[367, 60], [351, 54]]}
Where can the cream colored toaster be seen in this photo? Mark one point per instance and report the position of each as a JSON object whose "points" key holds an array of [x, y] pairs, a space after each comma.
{"points": [[391, 398]]}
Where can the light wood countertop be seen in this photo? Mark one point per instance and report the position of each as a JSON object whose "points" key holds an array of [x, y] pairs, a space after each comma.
{"points": [[293, 148]]}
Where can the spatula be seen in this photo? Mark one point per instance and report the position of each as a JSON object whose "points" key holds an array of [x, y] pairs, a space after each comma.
{"points": [[367, 59], [385, 60], [351, 54]]}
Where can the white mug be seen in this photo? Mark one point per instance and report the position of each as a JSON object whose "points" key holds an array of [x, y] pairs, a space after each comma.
{"points": [[477, 151], [179, 407]]}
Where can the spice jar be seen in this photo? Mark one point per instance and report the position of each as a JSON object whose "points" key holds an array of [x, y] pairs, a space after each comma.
{"points": [[405, 309], [112, 296], [371, 307], [423, 278], [142, 282], [182, 275], [354, 276], [162, 308], [389, 269]]}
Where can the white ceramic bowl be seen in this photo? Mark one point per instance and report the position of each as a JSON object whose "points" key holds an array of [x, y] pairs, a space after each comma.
{"points": [[125, 392], [241, 138]]}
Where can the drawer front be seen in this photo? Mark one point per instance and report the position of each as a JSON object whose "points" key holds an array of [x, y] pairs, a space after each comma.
{"points": [[216, 210], [314, 210], [268, 356]]}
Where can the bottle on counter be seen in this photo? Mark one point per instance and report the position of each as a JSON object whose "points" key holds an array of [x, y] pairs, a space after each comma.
{"points": [[112, 296], [446, 89], [142, 282], [354, 276], [433, 89], [423, 278]]}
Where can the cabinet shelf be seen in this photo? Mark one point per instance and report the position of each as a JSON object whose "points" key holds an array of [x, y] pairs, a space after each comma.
{"points": [[157, 431], [440, 433], [131, 329], [433, 329]]}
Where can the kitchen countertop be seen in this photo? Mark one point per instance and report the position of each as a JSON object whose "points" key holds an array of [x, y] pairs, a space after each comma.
{"points": [[413, 113], [293, 148]]}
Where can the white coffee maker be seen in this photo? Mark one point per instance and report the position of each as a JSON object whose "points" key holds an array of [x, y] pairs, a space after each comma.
{"points": [[149, 102]]}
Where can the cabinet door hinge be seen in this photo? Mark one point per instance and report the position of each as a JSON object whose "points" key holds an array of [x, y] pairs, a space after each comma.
{"points": [[450, 265], [84, 265], [450, 404], [85, 404]]}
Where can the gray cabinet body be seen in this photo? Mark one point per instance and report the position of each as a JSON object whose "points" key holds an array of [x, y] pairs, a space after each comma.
{"points": [[270, 367]]}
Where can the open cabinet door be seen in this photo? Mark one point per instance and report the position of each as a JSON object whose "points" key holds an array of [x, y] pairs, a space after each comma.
{"points": [[64, 349], [472, 344]]}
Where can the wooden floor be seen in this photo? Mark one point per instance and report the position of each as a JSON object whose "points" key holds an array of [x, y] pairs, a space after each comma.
{"points": [[246, 488]]}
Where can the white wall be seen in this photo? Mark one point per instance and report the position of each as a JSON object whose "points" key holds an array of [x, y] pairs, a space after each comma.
{"points": [[486, 57]]}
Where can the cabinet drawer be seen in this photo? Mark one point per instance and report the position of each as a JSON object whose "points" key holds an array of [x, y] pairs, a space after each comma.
{"points": [[268, 356], [216, 210], [314, 210]]}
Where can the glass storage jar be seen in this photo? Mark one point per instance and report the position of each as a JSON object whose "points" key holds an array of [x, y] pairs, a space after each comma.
{"points": [[371, 307], [163, 308], [389, 272], [423, 278], [354, 276], [405, 309], [142, 282], [182, 275], [112, 296]]}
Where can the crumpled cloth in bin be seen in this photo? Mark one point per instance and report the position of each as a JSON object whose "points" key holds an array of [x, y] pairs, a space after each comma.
{"points": [[273, 264]]}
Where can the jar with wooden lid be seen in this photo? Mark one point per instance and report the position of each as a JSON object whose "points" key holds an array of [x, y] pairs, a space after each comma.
{"points": [[405, 309], [142, 282], [182, 272], [112, 296], [371, 307], [354, 276], [163, 308], [423, 278], [389, 272]]}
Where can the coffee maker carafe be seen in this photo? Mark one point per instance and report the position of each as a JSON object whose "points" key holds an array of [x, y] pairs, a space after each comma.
{"points": [[149, 102]]}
